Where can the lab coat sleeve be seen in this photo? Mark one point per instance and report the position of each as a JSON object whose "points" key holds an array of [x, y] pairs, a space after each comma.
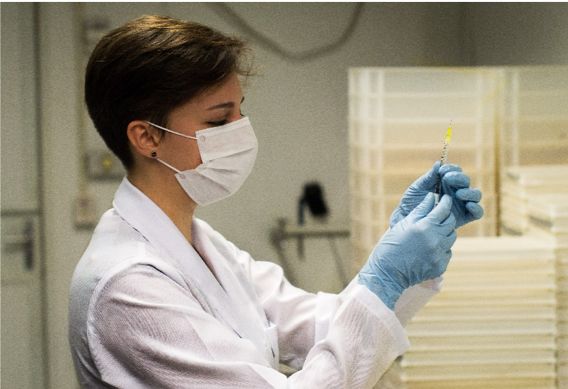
{"points": [[337, 341], [364, 339], [346, 340], [414, 298]]}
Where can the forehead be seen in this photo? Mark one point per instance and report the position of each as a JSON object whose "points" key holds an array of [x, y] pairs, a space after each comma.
{"points": [[228, 91], [226, 95]]}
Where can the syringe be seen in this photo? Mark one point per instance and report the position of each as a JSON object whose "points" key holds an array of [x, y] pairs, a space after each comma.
{"points": [[443, 161]]}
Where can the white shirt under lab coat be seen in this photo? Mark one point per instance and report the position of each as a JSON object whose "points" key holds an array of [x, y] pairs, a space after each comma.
{"points": [[149, 310]]}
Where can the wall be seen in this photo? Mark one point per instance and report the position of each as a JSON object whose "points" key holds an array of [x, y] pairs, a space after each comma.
{"points": [[518, 33], [63, 244], [298, 110]]}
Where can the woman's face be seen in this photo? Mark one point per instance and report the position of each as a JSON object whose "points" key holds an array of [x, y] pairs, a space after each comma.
{"points": [[215, 107]]}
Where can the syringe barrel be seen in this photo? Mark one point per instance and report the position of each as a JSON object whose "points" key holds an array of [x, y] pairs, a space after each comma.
{"points": [[445, 153]]}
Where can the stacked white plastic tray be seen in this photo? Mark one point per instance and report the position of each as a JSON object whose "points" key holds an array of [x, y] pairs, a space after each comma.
{"points": [[493, 325], [533, 119], [548, 220], [398, 119], [503, 116], [521, 183]]}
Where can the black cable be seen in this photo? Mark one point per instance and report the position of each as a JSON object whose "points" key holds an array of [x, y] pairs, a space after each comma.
{"points": [[231, 16]]}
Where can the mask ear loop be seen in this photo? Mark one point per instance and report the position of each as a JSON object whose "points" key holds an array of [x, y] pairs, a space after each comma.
{"points": [[173, 132], [153, 153]]}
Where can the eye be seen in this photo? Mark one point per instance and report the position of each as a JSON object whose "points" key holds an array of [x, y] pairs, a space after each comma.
{"points": [[219, 123]]}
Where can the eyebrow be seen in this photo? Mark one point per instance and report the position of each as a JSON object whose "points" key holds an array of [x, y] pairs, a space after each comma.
{"points": [[229, 104]]}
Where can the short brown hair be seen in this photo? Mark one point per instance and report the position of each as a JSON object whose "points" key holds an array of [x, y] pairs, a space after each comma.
{"points": [[150, 66]]}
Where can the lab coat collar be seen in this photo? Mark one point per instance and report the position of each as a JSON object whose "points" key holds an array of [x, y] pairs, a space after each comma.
{"points": [[246, 308], [157, 228], [228, 303]]}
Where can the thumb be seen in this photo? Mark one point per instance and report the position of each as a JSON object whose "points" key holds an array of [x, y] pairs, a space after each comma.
{"points": [[429, 180], [422, 209], [443, 210]]}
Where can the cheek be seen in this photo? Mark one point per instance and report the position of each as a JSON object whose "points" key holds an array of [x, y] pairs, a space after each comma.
{"points": [[194, 156], [184, 155], [189, 156]]}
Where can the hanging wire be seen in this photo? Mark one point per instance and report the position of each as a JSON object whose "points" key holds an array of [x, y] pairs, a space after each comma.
{"points": [[231, 16]]}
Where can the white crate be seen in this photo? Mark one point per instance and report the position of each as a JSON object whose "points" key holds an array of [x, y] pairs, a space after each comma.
{"points": [[397, 124], [521, 184], [534, 118], [501, 116], [505, 120], [494, 320]]}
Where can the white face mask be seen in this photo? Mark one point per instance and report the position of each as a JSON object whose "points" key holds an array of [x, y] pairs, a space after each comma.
{"points": [[228, 153]]}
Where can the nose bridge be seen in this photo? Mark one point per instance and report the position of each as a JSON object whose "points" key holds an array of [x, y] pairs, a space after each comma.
{"points": [[237, 115]]}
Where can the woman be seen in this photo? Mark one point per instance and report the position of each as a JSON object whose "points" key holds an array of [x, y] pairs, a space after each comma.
{"points": [[161, 300]]}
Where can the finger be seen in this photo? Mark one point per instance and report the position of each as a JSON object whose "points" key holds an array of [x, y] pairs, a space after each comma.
{"points": [[429, 180], [442, 264], [456, 180], [449, 256], [469, 194], [449, 168], [447, 243], [448, 225], [475, 209], [452, 237], [442, 210], [422, 209]]}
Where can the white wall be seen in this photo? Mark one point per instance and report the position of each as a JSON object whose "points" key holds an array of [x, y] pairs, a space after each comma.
{"points": [[519, 33], [298, 110], [61, 170]]}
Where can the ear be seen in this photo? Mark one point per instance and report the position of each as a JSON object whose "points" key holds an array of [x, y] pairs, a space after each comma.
{"points": [[143, 137]]}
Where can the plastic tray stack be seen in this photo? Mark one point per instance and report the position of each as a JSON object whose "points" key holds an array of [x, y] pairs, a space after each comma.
{"points": [[548, 220], [521, 183], [398, 119], [502, 116], [493, 325], [533, 119]]}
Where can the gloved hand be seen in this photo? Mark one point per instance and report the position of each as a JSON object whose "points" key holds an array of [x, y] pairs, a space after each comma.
{"points": [[417, 248], [465, 206]]}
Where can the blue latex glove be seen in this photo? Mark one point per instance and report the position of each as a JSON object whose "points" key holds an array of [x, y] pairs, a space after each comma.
{"points": [[465, 206], [418, 248]]}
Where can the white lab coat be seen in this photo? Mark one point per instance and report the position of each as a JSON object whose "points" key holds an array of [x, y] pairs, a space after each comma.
{"points": [[148, 310]]}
